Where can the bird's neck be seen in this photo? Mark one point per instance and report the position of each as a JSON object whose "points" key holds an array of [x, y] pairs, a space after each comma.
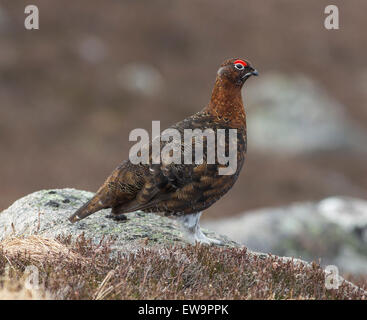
{"points": [[226, 103]]}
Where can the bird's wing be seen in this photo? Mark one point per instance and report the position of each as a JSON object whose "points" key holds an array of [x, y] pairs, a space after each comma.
{"points": [[172, 187], [167, 183]]}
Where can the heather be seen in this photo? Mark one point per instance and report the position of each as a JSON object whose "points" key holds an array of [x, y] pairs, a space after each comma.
{"points": [[81, 269]]}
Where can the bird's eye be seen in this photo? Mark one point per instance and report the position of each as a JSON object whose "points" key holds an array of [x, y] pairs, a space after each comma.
{"points": [[239, 66]]}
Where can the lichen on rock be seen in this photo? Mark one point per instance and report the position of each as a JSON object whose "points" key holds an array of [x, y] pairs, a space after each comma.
{"points": [[46, 213]]}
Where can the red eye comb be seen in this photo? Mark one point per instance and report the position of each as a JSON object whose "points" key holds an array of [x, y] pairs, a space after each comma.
{"points": [[241, 62]]}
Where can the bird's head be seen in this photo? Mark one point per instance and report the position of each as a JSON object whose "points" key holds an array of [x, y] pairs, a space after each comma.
{"points": [[236, 71]]}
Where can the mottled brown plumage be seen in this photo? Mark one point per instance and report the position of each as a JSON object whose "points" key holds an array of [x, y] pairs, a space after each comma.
{"points": [[181, 189]]}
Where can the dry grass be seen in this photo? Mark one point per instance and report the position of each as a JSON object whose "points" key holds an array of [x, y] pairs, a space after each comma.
{"points": [[17, 288], [192, 272], [36, 248]]}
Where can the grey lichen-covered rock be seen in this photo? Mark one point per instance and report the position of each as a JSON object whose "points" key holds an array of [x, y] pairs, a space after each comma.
{"points": [[333, 230], [46, 213]]}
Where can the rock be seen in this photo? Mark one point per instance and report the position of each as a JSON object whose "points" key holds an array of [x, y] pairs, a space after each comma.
{"points": [[92, 49], [46, 213], [140, 78], [292, 114], [333, 230]]}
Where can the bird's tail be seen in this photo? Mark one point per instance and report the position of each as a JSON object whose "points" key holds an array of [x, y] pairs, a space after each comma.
{"points": [[90, 207]]}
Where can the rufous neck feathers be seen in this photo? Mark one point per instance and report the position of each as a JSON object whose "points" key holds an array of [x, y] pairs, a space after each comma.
{"points": [[226, 103]]}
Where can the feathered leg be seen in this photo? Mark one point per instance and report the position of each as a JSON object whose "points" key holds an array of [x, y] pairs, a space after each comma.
{"points": [[192, 230]]}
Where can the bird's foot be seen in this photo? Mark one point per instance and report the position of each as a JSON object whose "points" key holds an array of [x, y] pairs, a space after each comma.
{"points": [[203, 239], [118, 218], [192, 230]]}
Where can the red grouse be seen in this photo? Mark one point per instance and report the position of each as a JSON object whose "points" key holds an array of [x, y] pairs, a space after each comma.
{"points": [[183, 190]]}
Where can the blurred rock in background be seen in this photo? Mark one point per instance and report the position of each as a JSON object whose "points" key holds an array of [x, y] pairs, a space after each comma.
{"points": [[141, 79], [295, 115], [92, 49], [333, 231]]}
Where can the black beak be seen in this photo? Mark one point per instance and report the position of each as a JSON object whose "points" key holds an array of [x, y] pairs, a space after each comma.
{"points": [[252, 73]]}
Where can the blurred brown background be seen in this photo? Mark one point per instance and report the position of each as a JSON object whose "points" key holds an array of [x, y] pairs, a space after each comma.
{"points": [[71, 92]]}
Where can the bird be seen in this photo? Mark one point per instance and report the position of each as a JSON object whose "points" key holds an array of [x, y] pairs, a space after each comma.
{"points": [[183, 191]]}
